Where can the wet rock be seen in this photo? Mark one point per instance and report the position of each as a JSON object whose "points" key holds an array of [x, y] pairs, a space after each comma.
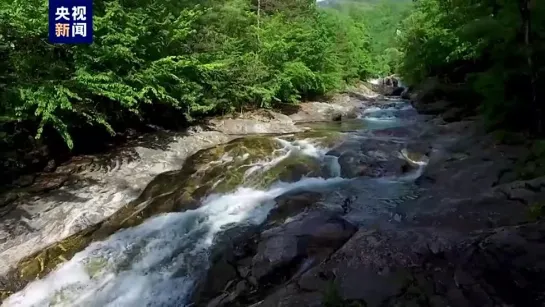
{"points": [[221, 273], [230, 265], [453, 114], [221, 300], [334, 153], [275, 253], [6, 199], [398, 91], [24, 180], [438, 301], [48, 182], [463, 279], [94, 194], [262, 122], [384, 268], [406, 94], [289, 296], [509, 260], [395, 132], [374, 265], [435, 108], [50, 166], [372, 287], [456, 298], [227, 298], [375, 157], [355, 164], [363, 91], [315, 234], [289, 205], [76, 165], [341, 106], [195, 129]]}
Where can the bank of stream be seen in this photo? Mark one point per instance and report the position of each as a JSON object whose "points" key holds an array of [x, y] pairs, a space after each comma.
{"points": [[155, 249], [358, 211]]}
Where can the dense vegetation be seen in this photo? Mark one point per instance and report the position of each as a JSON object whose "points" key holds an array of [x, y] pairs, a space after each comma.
{"points": [[382, 19], [152, 60], [489, 50]]}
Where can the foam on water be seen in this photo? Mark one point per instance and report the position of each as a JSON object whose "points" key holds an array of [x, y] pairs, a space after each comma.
{"points": [[371, 110], [410, 176], [303, 147], [333, 165], [380, 119], [157, 262]]}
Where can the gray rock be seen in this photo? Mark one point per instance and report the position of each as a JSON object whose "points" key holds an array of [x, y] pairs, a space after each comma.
{"points": [[341, 106], [289, 296], [275, 253], [374, 265], [316, 234], [289, 205], [370, 286], [24, 180], [453, 114], [50, 166], [463, 279], [456, 297], [95, 193], [220, 275]]}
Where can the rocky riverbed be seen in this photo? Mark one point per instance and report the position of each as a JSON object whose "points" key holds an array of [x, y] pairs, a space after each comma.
{"points": [[381, 207]]}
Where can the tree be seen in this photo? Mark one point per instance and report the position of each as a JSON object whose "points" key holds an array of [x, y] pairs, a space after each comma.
{"points": [[488, 46], [168, 62]]}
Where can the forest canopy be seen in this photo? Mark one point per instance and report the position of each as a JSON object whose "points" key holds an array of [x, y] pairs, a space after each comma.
{"points": [[176, 59], [492, 49]]}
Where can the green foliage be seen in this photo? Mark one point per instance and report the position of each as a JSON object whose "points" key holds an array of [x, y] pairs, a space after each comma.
{"points": [[482, 44], [188, 58], [536, 211], [382, 19]]}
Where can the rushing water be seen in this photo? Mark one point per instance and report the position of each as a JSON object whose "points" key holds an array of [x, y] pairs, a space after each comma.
{"points": [[157, 262]]}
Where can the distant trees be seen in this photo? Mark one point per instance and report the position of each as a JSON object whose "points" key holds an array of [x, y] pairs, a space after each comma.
{"points": [[152, 60], [383, 21]]}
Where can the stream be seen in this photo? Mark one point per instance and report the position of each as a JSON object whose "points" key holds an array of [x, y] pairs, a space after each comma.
{"points": [[153, 251]]}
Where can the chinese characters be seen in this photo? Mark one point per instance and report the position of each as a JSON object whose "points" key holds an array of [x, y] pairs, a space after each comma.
{"points": [[64, 29], [70, 21]]}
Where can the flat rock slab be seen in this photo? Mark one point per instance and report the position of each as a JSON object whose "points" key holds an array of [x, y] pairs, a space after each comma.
{"points": [[342, 107], [96, 191], [264, 122]]}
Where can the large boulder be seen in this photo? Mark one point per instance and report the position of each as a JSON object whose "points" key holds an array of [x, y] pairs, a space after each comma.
{"points": [[291, 204], [339, 107], [373, 164], [375, 157], [312, 236], [261, 122]]}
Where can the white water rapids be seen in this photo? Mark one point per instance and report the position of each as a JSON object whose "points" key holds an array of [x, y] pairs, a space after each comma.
{"points": [[158, 262]]}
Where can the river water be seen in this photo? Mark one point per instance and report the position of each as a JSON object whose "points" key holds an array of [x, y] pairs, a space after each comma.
{"points": [[162, 248]]}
